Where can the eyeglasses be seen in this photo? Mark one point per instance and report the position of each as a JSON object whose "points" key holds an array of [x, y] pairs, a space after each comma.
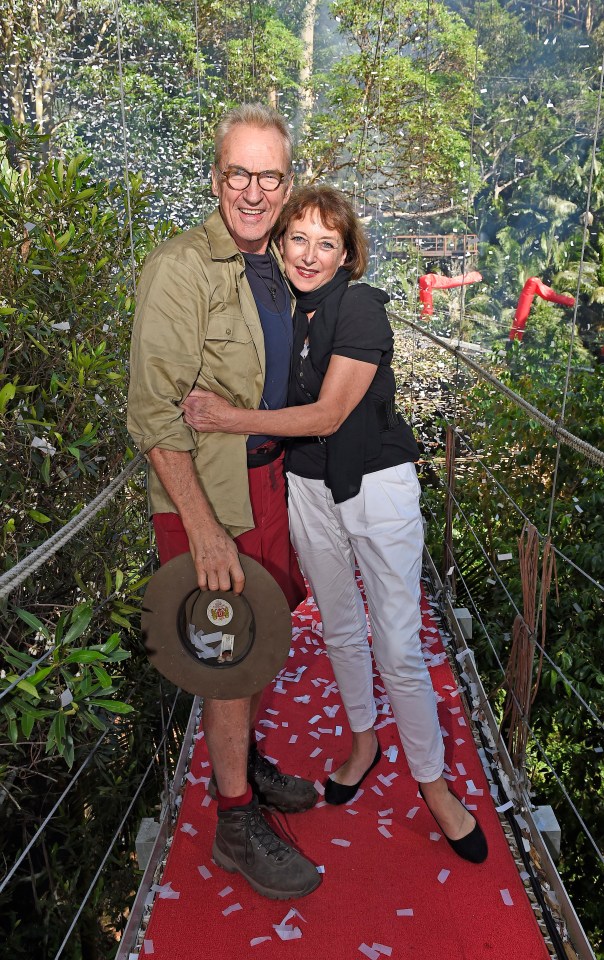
{"points": [[238, 178]]}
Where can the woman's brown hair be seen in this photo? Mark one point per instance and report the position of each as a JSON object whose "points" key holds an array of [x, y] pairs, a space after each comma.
{"points": [[336, 213]]}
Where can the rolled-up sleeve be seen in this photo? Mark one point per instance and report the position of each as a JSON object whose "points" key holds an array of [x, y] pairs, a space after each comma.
{"points": [[165, 358]]}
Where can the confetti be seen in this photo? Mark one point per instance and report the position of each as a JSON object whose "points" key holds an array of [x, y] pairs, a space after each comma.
{"points": [[233, 907], [443, 875]]}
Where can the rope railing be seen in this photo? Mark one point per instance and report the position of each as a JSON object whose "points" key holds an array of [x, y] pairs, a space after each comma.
{"points": [[532, 637], [14, 577], [476, 458], [565, 436], [519, 706], [167, 727]]}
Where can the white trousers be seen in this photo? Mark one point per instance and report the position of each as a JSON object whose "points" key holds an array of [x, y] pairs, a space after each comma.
{"points": [[382, 528]]}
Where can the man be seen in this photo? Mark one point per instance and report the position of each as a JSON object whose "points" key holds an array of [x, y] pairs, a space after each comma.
{"points": [[214, 312]]}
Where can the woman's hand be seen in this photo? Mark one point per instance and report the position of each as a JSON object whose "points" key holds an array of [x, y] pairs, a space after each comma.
{"points": [[208, 413]]}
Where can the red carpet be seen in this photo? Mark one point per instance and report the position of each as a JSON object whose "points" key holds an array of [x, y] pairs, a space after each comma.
{"points": [[391, 887]]}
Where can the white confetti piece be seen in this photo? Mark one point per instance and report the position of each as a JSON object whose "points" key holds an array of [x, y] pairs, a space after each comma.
{"points": [[387, 821], [386, 813], [461, 769], [331, 711], [255, 941], [337, 842], [328, 766], [470, 786], [225, 891], [319, 787], [338, 731], [506, 897], [148, 947], [190, 829], [377, 790], [392, 753], [293, 738], [405, 912], [315, 753], [411, 813], [443, 875], [205, 873], [504, 806], [382, 948], [206, 800], [304, 699], [369, 952], [385, 832], [351, 811], [165, 891], [233, 907], [434, 835], [195, 780]]}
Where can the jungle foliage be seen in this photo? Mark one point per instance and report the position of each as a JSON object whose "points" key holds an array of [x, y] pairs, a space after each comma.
{"points": [[434, 117]]}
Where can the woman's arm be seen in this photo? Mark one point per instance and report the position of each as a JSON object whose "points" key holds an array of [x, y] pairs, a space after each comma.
{"points": [[344, 386]]}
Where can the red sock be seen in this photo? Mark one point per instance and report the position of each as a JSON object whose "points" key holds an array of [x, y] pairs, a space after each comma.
{"points": [[226, 803]]}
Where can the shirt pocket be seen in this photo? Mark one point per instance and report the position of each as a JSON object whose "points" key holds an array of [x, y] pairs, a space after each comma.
{"points": [[228, 328]]}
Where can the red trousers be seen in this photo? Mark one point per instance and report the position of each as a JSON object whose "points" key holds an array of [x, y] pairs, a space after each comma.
{"points": [[268, 542]]}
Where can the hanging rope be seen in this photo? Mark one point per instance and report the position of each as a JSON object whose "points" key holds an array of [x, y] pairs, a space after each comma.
{"points": [[21, 571], [519, 670]]}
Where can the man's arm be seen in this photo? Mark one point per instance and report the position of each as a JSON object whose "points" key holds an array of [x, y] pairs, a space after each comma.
{"points": [[167, 340], [214, 553]]}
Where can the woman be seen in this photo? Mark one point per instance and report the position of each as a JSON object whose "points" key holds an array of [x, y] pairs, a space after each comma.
{"points": [[353, 493]]}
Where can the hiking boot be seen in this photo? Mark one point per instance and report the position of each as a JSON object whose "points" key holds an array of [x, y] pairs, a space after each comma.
{"points": [[273, 788], [245, 843], [278, 790]]}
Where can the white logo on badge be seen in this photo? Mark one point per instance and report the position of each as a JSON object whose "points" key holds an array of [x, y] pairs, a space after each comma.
{"points": [[220, 613]]}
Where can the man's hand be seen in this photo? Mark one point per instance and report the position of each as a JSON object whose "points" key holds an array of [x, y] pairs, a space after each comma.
{"points": [[208, 413], [215, 557]]}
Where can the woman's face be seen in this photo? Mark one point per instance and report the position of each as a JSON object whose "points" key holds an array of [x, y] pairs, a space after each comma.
{"points": [[311, 252]]}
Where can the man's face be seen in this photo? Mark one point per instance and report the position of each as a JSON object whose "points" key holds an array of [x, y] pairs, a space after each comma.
{"points": [[251, 213]]}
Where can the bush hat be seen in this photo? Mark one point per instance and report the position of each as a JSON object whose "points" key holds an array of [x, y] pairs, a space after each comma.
{"points": [[214, 643]]}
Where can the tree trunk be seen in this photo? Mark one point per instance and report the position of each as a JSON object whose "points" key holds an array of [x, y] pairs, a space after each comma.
{"points": [[306, 70]]}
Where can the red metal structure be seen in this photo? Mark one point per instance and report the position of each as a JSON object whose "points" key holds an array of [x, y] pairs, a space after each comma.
{"points": [[532, 288], [435, 281]]}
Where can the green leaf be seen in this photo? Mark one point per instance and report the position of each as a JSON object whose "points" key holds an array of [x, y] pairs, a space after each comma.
{"points": [[112, 706], [32, 621], [83, 656], [27, 724], [111, 643], [38, 517], [102, 676], [6, 395], [28, 687], [56, 734], [121, 621], [80, 618]]}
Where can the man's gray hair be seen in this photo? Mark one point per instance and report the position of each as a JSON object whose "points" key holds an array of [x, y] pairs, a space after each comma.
{"points": [[253, 115]]}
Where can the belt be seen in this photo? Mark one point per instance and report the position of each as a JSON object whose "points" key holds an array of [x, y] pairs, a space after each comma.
{"points": [[386, 416], [264, 454]]}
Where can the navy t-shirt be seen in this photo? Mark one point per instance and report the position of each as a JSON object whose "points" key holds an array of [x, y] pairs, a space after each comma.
{"points": [[274, 309]]}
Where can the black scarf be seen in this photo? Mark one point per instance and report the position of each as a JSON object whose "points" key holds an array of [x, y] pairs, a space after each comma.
{"points": [[355, 440], [313, 299]]}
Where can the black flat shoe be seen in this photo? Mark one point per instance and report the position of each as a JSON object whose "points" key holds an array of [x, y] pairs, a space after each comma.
{"points": [[472, 847], [337, 793]]}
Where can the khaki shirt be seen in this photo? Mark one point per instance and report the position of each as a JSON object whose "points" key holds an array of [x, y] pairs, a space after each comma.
{"points": [[196, 324]]}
